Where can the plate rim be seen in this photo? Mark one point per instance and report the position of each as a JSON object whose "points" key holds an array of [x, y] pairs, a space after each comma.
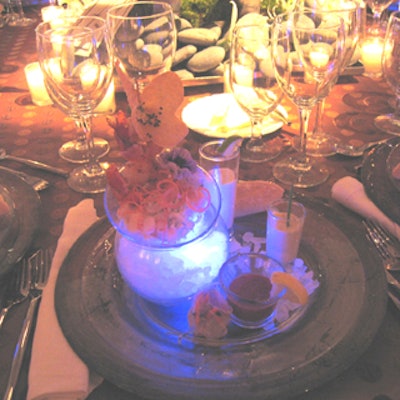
{"points": [[27, 205], [375, 185], [276, 125]]}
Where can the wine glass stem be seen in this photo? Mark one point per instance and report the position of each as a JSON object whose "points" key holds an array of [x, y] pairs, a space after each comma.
{"points": [[318, 117], [92, 166], [304, 114], [376, 19], [256, 128], [81, 137]]}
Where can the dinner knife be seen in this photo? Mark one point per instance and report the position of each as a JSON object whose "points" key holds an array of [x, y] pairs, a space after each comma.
{"points": [[41, 270], [21, 347]]}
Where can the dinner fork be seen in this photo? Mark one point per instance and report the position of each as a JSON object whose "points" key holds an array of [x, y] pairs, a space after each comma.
{"points": [[384, 244], [19, 289], [40, 268]]}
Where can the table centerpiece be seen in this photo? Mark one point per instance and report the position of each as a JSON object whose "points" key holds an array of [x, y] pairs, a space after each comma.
{"points": [[170, 240]]}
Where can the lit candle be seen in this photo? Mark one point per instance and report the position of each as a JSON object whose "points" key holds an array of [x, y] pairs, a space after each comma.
{"points": [[37, 89], [89, 76], [319, 58], [243, 75], [371, 57], [107, 105]]}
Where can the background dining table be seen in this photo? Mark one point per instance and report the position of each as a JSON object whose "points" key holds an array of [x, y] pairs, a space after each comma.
{"points": [[27, 130]]}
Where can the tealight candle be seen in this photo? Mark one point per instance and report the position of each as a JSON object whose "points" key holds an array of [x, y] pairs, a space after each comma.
{"points": [[371, 57], [51, 13], [37, 89], [319, 59], [243, 75], [107, 105]]}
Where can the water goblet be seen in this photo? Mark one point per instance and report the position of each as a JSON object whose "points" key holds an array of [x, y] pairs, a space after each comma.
{"points": [[143, 39], [320, 142], [76, 150], [254, 86], [307, 58], [390, 123], [77, 68]]}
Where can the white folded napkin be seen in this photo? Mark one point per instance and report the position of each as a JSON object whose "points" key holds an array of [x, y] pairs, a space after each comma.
{"points": [[56, 372], [350, 192]]}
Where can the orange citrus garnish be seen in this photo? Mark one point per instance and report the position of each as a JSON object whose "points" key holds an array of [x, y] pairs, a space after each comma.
{"points": [[296, 291]]}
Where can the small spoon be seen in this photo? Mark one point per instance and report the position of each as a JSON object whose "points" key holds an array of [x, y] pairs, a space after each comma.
{"points": [[34, 164]]}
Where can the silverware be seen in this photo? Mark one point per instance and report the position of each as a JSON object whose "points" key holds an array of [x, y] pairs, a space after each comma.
{"points": [[393, 282], [34, 164], [384, 244], [18, 290], [390, 263], [40, 268], [37, 183], [393, 289]]}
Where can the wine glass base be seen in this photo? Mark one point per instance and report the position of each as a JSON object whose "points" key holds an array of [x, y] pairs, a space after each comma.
{"points": [[258, 150], [84, 180], [76, 151], [318, 145], [292, 171], [21, 21], [388, 123]]}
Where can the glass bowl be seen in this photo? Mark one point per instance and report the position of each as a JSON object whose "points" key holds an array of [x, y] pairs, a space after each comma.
{"points": [[245, 281], [168, 272]]}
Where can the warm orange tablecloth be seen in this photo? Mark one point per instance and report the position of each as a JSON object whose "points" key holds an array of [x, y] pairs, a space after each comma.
{"points": [[37, 132]]}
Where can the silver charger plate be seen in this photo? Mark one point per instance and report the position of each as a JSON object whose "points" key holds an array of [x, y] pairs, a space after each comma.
{"points": [[378, 184], [22, 222], [99, 318]]}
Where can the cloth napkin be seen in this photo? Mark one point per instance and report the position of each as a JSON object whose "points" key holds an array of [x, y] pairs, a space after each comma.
{"points": [[350, 192], [56, 372]]}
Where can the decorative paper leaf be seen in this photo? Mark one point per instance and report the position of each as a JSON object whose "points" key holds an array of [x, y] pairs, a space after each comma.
{"points": [[155, 117]]}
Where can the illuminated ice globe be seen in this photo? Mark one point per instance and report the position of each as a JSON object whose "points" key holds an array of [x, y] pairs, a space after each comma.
{"points": [[166, 264]]}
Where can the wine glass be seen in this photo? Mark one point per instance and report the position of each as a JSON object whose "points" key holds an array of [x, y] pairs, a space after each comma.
{"points": [[16, 15], [77, 150], [378, 7], [390, 123], [320, 143], [77, 68], [143, 39], [254, 86], [307, 58]]}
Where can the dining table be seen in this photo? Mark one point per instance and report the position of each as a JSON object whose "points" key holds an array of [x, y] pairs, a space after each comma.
{"points": [[37, 132]]}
